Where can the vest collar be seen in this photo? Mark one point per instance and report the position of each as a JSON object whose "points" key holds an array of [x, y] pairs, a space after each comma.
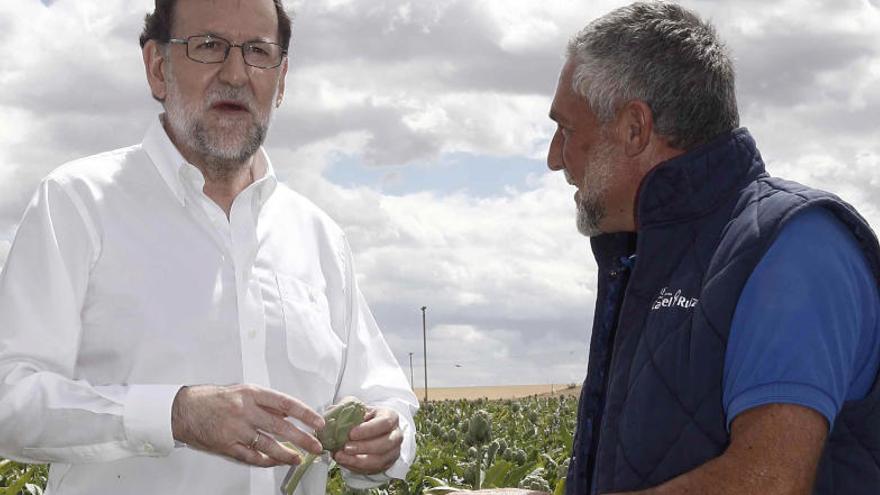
{"points": [[685, 187], [694, 183]]}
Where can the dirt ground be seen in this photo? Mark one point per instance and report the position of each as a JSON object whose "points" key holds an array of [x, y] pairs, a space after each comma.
{"points": [[499, 392]]}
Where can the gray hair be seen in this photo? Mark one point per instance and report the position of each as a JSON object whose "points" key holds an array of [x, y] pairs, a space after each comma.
{"points": [[664, 55]]}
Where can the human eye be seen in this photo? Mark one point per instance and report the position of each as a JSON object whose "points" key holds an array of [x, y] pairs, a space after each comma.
{"points": [[207, 44], [258, 49]]}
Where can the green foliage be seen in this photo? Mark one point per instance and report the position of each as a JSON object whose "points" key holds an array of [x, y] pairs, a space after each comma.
{"points": [[515, 439], [526, 442], [22, 479]]}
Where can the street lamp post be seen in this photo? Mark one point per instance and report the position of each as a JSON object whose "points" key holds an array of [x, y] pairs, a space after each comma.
{"points": [[425, 350]]}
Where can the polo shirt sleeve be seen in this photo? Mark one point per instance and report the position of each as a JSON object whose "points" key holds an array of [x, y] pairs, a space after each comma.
{"points": [[805, 330]]}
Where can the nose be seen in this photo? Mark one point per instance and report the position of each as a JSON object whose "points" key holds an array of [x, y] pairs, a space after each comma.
{"points": [[233, 70], [554, 154]]}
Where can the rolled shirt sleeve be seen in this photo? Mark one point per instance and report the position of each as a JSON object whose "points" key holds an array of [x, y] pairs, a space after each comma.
{"points": [[46, 414]]}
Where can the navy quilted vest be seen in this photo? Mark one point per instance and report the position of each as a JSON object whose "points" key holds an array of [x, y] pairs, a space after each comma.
{"points": [[651, 408]]}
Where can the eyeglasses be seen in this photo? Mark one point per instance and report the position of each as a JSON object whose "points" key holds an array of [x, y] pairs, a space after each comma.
{"points": [[210, 49]]}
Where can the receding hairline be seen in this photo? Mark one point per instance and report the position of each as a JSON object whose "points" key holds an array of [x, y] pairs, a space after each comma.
{"points": [[176, 18]]}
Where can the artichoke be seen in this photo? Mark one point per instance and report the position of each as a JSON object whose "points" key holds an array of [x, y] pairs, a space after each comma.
{"points": [[479, 430], [535, 482], [338, 422], [436, 430], [451, 435]]}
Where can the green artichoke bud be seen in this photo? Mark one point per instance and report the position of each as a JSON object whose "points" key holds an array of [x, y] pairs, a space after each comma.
{"points": [[502, 446], [494, 445], [535, 482], [519, 456], [451, 435], [479, 428], [472, 453], [339, 421]]}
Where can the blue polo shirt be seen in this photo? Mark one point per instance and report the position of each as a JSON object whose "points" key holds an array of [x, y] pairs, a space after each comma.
{"points": [[806, 329]]}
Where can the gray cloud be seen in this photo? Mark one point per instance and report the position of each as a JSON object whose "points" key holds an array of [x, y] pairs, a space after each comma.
{"points": [[783, 66], [433, 33], [507, 279], [391, 141]]}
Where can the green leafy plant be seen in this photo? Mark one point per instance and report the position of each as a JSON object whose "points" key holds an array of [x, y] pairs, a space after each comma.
{"points": [[338, 422], [443, 462]]}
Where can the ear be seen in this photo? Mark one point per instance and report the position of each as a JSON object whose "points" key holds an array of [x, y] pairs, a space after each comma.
{"points": [[635, 125], [154, 64], [283, 77]]}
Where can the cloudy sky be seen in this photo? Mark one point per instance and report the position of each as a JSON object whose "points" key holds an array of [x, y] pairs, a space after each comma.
{"points": [[421, 127]]}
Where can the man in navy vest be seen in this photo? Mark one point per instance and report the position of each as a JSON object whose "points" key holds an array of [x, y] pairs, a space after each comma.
{"points": [[736, 335]]}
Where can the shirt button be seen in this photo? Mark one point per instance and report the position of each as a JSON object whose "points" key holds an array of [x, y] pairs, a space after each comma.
{"points": [[252, 333], [148, 448]]}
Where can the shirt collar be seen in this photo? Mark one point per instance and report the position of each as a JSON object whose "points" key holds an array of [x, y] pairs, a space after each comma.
{"points": [[174, 169]]}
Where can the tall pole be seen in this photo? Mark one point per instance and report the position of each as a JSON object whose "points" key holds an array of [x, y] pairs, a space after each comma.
{"points": [[425, 350], [412, 382]]}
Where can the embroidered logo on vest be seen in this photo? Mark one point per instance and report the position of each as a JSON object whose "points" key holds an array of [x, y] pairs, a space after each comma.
{"points": [[667, 299]]}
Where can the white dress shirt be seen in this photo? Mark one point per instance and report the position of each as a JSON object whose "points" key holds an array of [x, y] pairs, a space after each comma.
{"points": [[126, 282]]}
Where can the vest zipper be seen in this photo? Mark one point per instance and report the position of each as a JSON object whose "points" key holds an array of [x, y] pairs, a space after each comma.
{"points": [[626, 264]]}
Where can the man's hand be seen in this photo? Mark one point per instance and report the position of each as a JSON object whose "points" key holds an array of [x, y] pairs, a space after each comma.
{"points": [[374, 445], [240, 421]]}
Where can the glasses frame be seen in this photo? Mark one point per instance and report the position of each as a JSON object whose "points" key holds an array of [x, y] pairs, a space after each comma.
{"points": [[229, 46]]}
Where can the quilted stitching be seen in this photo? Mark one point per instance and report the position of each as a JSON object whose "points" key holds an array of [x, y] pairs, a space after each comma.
{"points": [[746, 219]]}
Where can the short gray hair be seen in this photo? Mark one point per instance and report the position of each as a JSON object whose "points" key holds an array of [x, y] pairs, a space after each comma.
{"points": [[666, 56]]}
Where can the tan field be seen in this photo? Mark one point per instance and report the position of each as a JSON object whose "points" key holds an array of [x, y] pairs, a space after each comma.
{"points": [[498, 392]]}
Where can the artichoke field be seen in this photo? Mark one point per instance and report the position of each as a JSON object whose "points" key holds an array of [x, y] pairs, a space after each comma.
{"points": [[466, 444]]}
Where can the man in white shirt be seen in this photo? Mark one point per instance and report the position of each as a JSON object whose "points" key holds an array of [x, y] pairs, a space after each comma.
{"points": [[165, 308]]}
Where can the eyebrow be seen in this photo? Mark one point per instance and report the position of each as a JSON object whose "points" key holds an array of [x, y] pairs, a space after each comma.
{"points": [[263, 39]]}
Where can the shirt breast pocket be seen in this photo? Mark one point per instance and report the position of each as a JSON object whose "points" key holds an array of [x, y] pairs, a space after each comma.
{"points": [[312, 345]]}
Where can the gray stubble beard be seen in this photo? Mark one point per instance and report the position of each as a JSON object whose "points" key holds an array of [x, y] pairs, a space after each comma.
{"points": [[591, 210], [222, 157]]}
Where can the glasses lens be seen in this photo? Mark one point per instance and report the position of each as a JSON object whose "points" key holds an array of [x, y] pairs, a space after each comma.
{"points": [[207, 49], [260, 54]]}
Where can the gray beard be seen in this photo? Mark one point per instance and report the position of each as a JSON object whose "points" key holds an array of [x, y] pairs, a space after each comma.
{"points": [[223, 150], [590, 213], [591, 209], [222, 162]]}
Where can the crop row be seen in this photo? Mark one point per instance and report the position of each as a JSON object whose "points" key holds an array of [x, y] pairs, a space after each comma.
{"points": [[468, 444]]}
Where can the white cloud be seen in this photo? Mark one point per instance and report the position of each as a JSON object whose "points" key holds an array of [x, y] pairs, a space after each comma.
{"points": [[401, 82]]}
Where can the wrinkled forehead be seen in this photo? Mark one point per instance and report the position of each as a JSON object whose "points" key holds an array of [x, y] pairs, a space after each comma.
{"points": [[236, 20]]}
